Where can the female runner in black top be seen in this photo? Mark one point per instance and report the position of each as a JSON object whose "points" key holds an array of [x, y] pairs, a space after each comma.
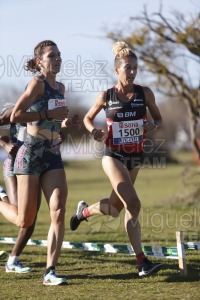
{"points": [[125, 108]]}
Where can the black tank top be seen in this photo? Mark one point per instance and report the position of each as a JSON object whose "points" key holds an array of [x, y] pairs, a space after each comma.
{"points": [[125, 121]]}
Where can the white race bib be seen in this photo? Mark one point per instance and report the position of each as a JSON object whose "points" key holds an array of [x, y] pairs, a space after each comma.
{"points": [[128, 132], [55, 103], [22, 133]]}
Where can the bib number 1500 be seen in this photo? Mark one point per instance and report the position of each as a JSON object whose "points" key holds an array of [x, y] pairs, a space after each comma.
{"points": [[129, 132]]}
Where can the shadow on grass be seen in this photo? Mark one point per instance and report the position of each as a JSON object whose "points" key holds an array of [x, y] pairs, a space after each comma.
{"points": [[118, 276], [169, 272], [80, 264], [172, 272]]}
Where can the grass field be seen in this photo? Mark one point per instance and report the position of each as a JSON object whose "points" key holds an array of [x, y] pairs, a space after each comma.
{"points": [[169, 204]]}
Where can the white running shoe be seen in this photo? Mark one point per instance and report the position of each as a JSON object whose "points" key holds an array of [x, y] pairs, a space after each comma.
{"points": [[78, 217], [17, 267], [53, 279]]}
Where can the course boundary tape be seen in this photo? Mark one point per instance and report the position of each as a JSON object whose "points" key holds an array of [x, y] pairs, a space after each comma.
{"points": [[177, 252], [156, 251]]}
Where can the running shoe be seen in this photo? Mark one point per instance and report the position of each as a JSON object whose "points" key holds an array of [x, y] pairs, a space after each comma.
{"points": [[148, 268], [53, 279], [17, 267], [78, 217], [2, 193]]}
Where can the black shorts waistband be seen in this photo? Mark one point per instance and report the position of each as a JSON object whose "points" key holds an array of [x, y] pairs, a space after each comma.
{"points": [[130, 160]]}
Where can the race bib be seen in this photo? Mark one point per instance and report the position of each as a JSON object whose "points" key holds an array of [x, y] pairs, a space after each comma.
{"points": [[55, 103], [127, 132], [22, 133]]}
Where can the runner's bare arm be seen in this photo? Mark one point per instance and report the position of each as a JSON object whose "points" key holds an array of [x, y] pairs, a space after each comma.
{"points": [[98, 105]]}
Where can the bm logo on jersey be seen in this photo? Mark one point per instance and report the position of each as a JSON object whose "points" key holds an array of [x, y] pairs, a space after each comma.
{"points": [[126, 114]]}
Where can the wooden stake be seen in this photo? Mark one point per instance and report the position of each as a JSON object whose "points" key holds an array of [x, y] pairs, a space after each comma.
{"points": [[181, 253]]}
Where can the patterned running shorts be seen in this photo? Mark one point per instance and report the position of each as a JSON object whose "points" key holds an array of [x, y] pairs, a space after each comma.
{"points": [[37, 156], [8, 167]]}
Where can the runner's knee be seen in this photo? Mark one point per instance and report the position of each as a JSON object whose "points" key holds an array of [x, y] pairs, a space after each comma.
{"points": [[57, 209], [24, 223]]}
